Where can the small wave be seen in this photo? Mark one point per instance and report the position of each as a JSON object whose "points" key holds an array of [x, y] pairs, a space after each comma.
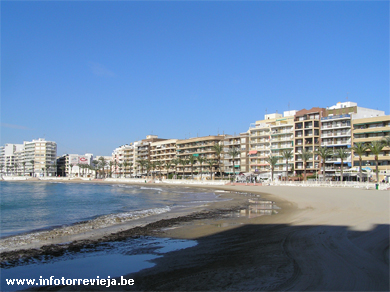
{"points": [[146, 188], [77, 228]]}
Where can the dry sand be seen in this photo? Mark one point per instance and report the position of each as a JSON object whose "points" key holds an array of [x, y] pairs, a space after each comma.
{"points": [[322, 239]]}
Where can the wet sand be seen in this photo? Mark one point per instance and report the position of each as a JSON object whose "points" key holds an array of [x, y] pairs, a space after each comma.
{"points": [[323, 239]]}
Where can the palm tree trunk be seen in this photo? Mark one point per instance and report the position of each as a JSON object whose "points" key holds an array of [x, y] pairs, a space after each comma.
{"points": [[360, 169], [376, 169], [342, 177], [304, 171]]}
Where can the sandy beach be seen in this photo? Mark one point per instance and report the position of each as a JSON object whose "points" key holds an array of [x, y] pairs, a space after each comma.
{"points": [[321, 239]]}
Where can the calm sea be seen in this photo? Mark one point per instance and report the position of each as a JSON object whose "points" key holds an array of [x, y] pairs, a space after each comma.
{"points": [[28, 209]]}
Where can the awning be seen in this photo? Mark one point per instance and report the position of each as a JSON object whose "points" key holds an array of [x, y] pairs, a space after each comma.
{"points": [[252, 152], [195, 155]]}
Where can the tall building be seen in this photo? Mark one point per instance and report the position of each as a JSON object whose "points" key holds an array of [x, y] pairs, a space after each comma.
{"points": [[260, 144], [162, 153], [238, 163], [307, 135], [282, 139], [199, 147], [371, 129], [11, 158], [336, 132], [40, 157]]}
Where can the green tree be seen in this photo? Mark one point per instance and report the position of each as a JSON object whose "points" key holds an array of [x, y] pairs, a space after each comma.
{"points": [[125, 165], [376, 148], [110, 165], [386, 141], [324, 153], [211, 163], [306, 155], [287, 154], [142, 163], [62, 167], [218, 148], [159, 165], [95, 167], [184, 162], [360, 149], [103, 164], [168, 165], [341, 153], [47, 166], [272, 160], [192, 160], [234, 152]]}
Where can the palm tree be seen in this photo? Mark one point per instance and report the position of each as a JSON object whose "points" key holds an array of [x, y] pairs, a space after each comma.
{"points": [[110, 164], [71, 167], [201, 160], [32, 162], [287, 154], [142, 162], [47, 169], [103, 164], [120, 168], [176, 162], [125, 165], [306, 155], [376, 148], [324, 152], [233, 152], [211, 163], [218, 151], [360, 149], [96, 167], [342, 153], [192, 160], [386, 141], [184, 162], [168, 165], [272, 160], [130, 168], [159, 165]]}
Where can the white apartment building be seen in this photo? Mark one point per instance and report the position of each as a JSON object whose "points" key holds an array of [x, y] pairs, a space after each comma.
{"points": [[336, 131], [40, 157], [11, 159]]}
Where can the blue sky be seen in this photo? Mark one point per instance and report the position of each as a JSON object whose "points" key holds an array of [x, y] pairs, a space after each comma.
{"points": [[96, 75]]}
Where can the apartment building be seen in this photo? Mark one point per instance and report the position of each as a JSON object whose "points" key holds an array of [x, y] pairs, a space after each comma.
{"points": [[240, 162], [336, 132], [11, 159], [307, 125], [260, 144], [40, 157], [199, 147], [282, 139], [163, 152], [371, 129]]}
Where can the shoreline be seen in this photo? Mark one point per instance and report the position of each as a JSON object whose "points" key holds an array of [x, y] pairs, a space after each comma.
{"points": [[321, 239]]}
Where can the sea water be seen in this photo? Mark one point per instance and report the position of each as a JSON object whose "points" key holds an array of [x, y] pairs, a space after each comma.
{"points": [[29, 209]]}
